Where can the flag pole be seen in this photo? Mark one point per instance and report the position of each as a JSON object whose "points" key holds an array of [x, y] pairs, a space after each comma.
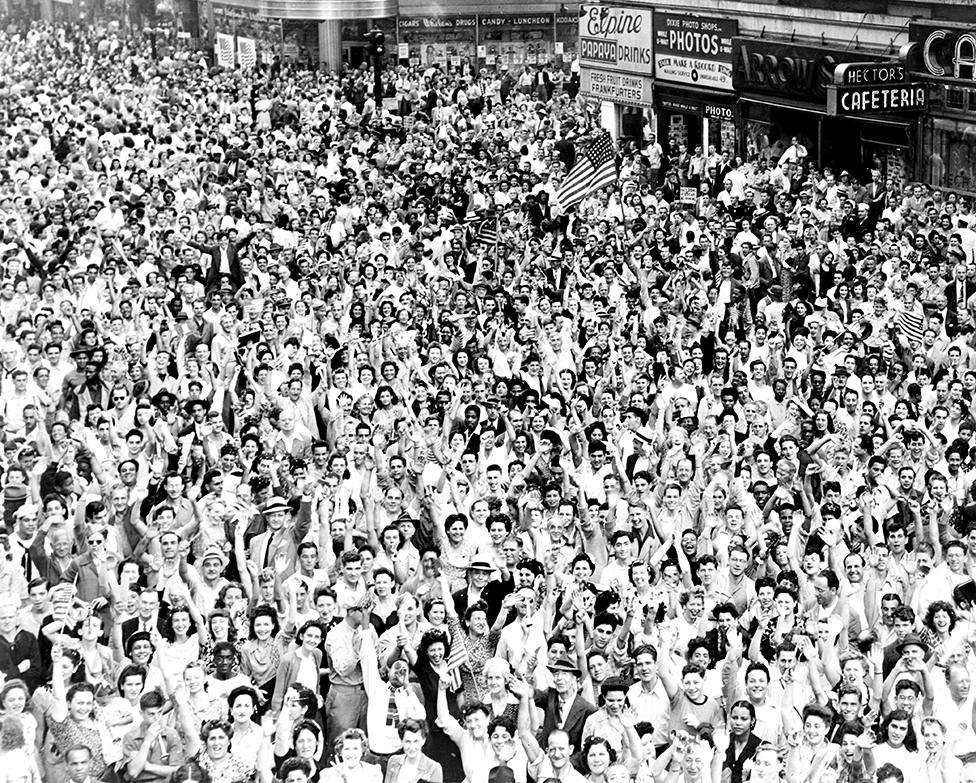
{"points": [[623, 217], [498, 221]]}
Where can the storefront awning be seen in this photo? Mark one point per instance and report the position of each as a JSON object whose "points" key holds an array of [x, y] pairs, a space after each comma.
{"points": [[783, 103], [696, 93]]}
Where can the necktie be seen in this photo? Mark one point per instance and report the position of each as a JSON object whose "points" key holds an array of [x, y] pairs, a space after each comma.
{"points": [[266, 560], [392, 714], [28, 565]]}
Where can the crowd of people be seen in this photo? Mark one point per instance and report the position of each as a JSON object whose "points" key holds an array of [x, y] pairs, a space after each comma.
{"points": [[336, 448]]}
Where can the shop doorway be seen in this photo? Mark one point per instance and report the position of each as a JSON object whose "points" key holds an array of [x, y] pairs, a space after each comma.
{"points": [[632, 125]]}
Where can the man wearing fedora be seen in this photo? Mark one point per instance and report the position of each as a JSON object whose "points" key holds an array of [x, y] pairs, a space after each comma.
{"points": [[565, 709], [280, 537], [481, 587], [911, 666], [211, 582]]}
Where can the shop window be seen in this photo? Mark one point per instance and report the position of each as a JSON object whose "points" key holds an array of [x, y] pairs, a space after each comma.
{"points": [[955, 98], [952, 160]]}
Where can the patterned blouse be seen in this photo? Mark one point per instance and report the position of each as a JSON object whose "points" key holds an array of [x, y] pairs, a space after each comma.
{"points": [[230, 769]]}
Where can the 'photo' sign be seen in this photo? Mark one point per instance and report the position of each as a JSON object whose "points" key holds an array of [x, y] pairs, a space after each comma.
{"points": [[616, 39], [694, 50]]}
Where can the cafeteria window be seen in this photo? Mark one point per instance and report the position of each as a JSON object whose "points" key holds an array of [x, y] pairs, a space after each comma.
{"points": [[951, 155]]}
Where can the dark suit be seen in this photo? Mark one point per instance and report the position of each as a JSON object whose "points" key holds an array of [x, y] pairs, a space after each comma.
{"points": [[556, 276], [581, 709], [566, 151], [889, 658], [427, 769], [956, 306], [876, 196], [493, 595], [233, 251], [130, 627]]}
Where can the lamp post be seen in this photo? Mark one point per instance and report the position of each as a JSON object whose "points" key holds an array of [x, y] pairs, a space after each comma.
{"points": [[375, 40]]}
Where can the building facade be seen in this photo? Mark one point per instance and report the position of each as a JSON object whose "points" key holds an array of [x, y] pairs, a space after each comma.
{"points": [[736, 76]]}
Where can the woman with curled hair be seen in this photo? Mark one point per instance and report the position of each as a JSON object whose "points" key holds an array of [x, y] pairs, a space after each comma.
{"points": [[938, 629], [300, 664], [261, 654], [432, 655], [742, 740], [71, 720], [939, 765], [299, 706], [498, 698], [597, 757], [17, 762], [14, 698], [211, 750], [349, 766], [250, 741], [307, 743]]}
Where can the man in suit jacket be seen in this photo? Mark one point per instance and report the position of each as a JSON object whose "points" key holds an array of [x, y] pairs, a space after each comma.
{"points": [[957, 293], [224, 260], [413, 735], [482, 588], [564, 708], [280, 538], [149, 614], [876, 195]]}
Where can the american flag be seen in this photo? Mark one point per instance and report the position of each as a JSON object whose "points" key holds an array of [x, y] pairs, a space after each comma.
{"points": [[487, 231], [247, 55], [912, 324], [596, 167], [225, 50], [457, 658]]}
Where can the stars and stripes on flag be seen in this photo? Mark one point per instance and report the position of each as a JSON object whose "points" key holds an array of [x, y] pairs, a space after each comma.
{"points": [[457, 658], [487, 231], [247, 54], [224, 45], [913, 325], [482, 227], [596, 167]]}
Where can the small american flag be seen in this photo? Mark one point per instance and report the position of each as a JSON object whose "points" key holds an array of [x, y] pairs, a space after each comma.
{"points": [[457, 659], [595, 168], [487, 231]]}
